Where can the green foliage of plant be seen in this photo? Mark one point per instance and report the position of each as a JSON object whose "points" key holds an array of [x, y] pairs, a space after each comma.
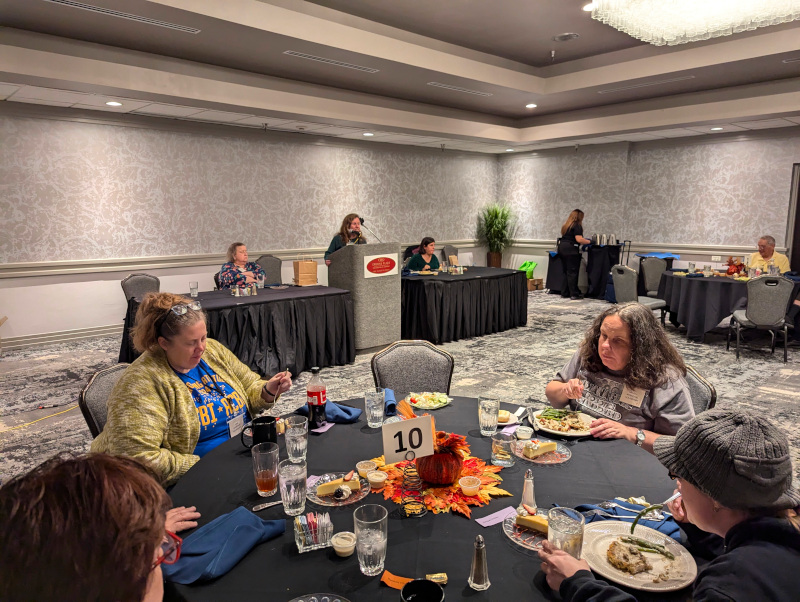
{"points": [[496, 226]]}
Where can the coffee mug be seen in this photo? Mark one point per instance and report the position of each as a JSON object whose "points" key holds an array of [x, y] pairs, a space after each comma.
{"points": [[260, 430]]}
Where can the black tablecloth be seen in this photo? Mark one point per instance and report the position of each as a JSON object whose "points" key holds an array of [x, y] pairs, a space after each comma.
{"points": [[441, 308], [223, 480], [555, 274], [294, 328], [599, 260]]}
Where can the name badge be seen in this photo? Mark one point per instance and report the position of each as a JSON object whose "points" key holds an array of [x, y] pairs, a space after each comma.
{"points": [[632, 396], [236, 425]]}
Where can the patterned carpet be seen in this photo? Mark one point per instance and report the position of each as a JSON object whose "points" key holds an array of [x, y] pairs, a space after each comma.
{"points": [[514, 366]]}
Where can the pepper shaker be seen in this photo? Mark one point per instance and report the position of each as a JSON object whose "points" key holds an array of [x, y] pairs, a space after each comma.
{"points": [[528, 495], [479, 573]]}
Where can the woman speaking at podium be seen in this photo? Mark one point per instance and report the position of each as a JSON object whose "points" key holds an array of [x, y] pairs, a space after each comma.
{"points": [[349, 234]]}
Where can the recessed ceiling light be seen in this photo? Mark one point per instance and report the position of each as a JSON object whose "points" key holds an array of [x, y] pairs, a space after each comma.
{"points": [[509, 150], [717, 129], [368, 134], [114, 103], [588, 7], [530, 105]]}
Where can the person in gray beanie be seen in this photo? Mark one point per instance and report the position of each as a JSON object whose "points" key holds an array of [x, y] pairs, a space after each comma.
{"points": [[734, 472]]}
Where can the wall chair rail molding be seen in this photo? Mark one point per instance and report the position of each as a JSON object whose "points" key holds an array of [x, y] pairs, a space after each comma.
{"points": [[646, 247]]}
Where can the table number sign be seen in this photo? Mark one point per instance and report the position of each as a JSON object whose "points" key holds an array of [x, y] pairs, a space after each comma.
{"points": [[408, 439]]}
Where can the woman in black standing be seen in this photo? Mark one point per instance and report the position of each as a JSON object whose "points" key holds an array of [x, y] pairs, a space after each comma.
{"points": [[569, 250]]}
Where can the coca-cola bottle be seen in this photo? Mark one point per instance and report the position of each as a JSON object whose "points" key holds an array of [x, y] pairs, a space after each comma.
{"points": [[316, 399]]}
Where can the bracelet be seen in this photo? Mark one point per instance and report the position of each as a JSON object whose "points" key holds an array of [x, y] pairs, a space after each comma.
{"points": [[273, 395]]}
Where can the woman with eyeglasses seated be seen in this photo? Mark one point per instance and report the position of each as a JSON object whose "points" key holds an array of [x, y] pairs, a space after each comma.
{"points": [[85, 528], [628, 376], [349, 234], [238, 271], [185, 394], [425, 259], [734, 472]]}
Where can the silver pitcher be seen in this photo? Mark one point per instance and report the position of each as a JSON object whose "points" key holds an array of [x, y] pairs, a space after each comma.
{"points": [[603, 239]]}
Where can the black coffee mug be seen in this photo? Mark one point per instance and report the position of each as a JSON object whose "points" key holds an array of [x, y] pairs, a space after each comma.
{"points": [[422, 590], [260, 430]]}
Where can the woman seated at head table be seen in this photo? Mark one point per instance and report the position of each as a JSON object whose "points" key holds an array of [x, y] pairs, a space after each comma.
{"points": [[238, 271], [734, 473], [349, 234], [185, 395], [628, 375], [425, 259], [86, 528]]}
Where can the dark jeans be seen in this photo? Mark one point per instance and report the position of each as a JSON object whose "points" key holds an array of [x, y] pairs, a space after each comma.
{"points": [[571, 264]]}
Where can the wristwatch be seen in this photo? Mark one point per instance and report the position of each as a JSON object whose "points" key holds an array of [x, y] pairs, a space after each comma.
{"points": [[639, 437]]}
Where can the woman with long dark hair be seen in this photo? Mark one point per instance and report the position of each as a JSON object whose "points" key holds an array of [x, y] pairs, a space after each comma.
{"points": [[569, 251], [425, 258], [349, 234]]}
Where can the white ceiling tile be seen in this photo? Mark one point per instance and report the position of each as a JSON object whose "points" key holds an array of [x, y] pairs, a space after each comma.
{"points": [[358, 134], [675, 133], [49, 94], [634, 137], [598, 140], [7, 90], [98, 100], [335, 130], [764, 124], [126, 107], [726, 127], [167, 110], [218, 116], [36, 101], [260, 121]]}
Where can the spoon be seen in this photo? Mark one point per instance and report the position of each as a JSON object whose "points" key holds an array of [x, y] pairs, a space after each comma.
{"points": [[258, 507]]}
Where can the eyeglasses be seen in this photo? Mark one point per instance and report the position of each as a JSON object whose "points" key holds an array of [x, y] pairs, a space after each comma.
{"points": [[178, 310], [170, 549]]}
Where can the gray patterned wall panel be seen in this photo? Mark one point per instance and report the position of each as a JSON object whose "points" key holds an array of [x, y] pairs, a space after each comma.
{"points": [[71, 190]]}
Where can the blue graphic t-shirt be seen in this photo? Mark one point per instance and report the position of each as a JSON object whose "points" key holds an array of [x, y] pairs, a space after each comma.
{"points": [[216, 403]]}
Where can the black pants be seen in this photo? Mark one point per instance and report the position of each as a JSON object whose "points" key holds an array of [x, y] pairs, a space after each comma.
{"points": [[571, 264]]}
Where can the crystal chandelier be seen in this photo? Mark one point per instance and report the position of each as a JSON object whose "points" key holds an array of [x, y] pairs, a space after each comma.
{"points": [[671, 22]]}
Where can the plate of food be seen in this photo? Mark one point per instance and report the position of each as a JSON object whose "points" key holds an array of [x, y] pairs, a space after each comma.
{"points": [[647, 560], [428, 401], [564, 422], [506, 418], [527, 531], [540, 451], [338, 489]]}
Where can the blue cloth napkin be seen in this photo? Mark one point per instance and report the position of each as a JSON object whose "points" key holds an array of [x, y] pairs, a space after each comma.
{"points": [[335, 413], [391, 403], [668, 526], [215, 548], [695, 275]]}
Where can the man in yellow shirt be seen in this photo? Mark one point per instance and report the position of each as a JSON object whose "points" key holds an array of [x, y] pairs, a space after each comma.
{"points": [[766, 256]]}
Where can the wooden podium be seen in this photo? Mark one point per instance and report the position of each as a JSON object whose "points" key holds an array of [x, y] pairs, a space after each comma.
{"points": [[372, 275]]}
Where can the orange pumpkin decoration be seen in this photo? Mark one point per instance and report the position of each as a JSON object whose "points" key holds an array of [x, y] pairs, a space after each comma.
{"points": [[444, 466]]}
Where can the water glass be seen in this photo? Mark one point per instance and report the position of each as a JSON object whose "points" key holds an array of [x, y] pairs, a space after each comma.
{"points": [[488, 409], [372, 532], [374, 404], [691, 267], [502, 454], [292, 479], [296, 437], [565, 530], [260, 281], [751, 272], [774, 270], [265, 468], [193, 288]]}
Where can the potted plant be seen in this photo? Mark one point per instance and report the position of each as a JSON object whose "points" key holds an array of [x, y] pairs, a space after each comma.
{"points": [[496, 225]]}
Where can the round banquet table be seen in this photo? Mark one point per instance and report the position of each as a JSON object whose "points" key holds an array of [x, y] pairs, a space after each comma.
{"points": [[434, 543]]}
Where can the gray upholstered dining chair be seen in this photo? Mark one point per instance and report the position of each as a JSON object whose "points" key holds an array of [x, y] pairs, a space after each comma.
{"points": [[216, 281], [93, 399], [449, 250], [652, 268], [625, 290], [272, 268], [412, 366], [704, 395], [767, 300], [137, 285]]}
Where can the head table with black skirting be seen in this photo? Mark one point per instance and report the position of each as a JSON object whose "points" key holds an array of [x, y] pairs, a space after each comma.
{"points": [[435, 543]]}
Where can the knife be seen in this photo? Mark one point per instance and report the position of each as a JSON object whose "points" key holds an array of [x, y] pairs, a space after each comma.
{"points": [[266, 505]]}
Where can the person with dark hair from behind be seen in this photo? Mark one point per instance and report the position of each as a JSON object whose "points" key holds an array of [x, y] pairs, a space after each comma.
{"points": [[89, 528], [569, 251], [425, 259], [349, 234], [734, 472], [627, 374], [238, 271]]}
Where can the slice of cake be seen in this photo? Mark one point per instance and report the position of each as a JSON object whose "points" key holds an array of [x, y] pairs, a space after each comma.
{"points": [[534, 449], [324, 489], [533, 522]]}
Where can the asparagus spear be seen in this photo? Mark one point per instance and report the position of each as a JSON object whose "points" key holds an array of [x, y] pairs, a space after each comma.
{"points": [[648, 546]]}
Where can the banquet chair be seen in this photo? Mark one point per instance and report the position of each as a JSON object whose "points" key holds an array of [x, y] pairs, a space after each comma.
{"points": [[625, 289], [216, 282], [704, 395], [93, 399], [412, 366], [409, 251], [272, 268], [767, 300], [652, 268], [137, 285], [449, 250]]}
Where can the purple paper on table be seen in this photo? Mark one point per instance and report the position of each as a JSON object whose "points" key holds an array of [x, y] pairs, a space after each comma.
{"points": [[312, 480], [510, 429], [322, 429], [497, 517]]}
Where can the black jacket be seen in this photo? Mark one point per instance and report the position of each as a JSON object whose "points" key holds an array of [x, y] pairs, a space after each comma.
{"points": [[761, 561]]}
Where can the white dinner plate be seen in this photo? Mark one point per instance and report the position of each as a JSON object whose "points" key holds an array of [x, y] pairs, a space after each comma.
{"points": [[584, 417]]}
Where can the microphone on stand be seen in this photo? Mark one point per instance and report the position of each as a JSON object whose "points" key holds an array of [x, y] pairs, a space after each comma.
{"points": [[362, 220]]}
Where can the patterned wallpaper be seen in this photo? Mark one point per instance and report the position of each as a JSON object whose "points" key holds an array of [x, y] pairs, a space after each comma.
{"points": [[726, 193], [72, 190]]}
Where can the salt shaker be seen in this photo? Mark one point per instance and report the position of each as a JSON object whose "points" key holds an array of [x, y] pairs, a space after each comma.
{"points": [[528, 495], [479, 573]]}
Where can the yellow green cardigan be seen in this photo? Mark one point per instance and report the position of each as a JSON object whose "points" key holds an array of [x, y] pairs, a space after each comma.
{"points": [[152, 416]]}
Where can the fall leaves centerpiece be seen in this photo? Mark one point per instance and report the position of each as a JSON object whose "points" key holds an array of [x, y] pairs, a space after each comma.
{"points": [[440, 472]]}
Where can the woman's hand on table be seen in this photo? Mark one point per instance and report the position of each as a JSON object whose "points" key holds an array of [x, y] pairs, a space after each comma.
{"points": [[558, 565], [181, 518], [609, 429]]}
